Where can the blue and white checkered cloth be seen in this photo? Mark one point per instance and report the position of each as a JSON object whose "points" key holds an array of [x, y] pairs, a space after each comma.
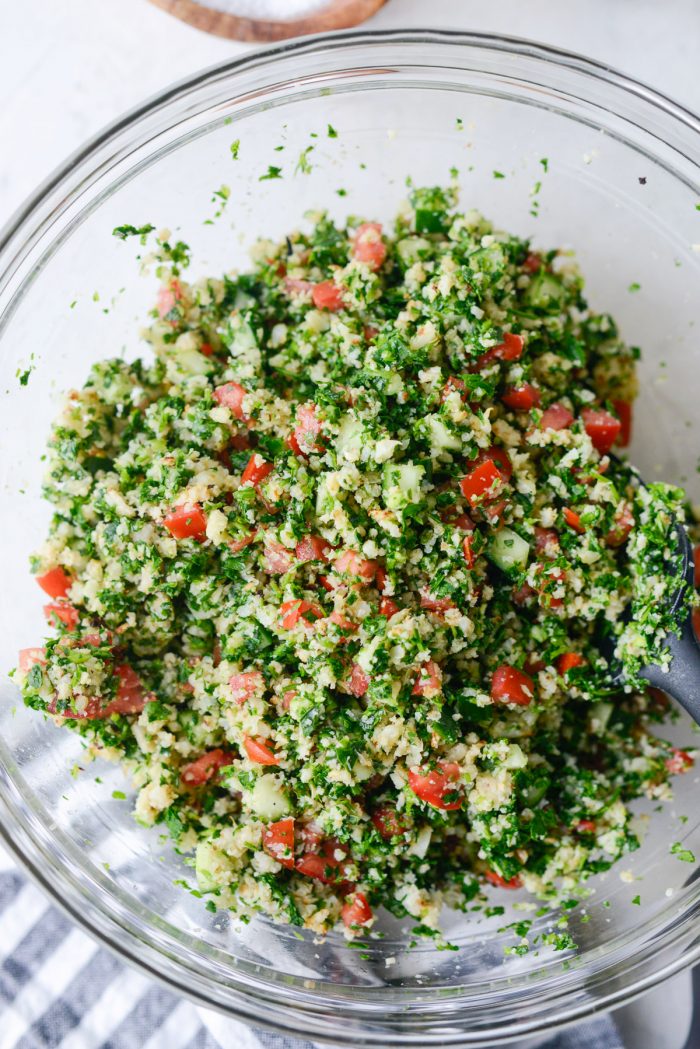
{"points": [[60, 990]]}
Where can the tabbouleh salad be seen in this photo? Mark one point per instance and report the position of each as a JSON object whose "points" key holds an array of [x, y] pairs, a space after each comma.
{"points": [[328, 571]]}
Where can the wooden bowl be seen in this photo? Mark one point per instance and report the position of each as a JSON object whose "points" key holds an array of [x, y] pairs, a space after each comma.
{"points": [[337, 14]]}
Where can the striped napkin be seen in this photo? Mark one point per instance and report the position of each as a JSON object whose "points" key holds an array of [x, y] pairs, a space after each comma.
{"points": [[60, 990]]}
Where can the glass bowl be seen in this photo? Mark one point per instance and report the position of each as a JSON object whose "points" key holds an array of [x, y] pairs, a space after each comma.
{"points": [[589, 159]]}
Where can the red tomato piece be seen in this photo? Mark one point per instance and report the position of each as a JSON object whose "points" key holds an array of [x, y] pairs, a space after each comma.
{"points": [[349, 562], [623, 410], [302, 439], [680, 761], [299, 611], [56, 582], [256, 470], [469, 556], [454, 385], [485, 480], [573, 520], [230, 396], [356, 911], [510, 349], [556, 417], [623, 523], [31, 657], [387, 607], [206, 349], [131, 697], [602, 428], [342, 621], [502, 883], [388, 822], [438, 785], [533, 263], [84, 709], [258, 750], [549, 578], [168, 297], [585, 827], [298, 287], [236, 545], [521, 398], [359, 682], [327, 296], [186, 522], [568, 660], [695, 620], [429, 680], [318, 867], [312, 548], [245, 685], [510, 685], [696, 564], [277, 559], [435, 604], [205, 767], [278, 841], [368, 245], [63, 612], [546, 541]]}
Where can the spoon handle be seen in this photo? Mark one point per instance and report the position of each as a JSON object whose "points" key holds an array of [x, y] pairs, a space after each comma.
{"points": [[681, 679]]}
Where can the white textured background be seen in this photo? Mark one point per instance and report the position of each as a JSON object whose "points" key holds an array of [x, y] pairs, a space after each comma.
{"points": [[67, 67]]}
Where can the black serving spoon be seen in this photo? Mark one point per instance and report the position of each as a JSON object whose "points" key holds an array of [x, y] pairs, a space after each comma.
{"points": [[681, 676]]}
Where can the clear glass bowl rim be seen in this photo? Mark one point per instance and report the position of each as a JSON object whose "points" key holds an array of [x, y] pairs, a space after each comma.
{"points": [[35, 232]]}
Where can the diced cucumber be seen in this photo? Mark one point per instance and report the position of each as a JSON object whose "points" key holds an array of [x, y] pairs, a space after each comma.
{"points": [[268, 797], [242, 345], [349, 437], [411, 249], [188, 361], [401, 484], [508, 551], [325, 500], [207, 861], [545, 291], [600, 715], [441, 439]]}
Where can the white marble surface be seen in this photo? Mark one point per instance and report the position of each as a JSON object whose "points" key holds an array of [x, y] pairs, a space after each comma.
{"points": [[68, 68]]}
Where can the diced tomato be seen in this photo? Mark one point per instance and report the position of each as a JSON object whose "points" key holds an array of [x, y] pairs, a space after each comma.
{"points": [[429, 680], [380, 578], [168, 297], [387, 607], [278, 841], [370, 332], [680, 761], [521, 398], [502, 883], [298, 287], [469, 556], [131, 697], [568, 660], [302, 439], [318, 867], [485, 480], [359, 682], [349, 562], [342, 621], [533, 665], [63, 612], [312, 548], [510, 685], [245, 685], [556, 417], [510, 349], [256, 470], [299, 611], [523, 594], [327, 296], [585, 827], [288, 697], [462, 521], [236, 545], [326, 583], [230, 396], [573, 520], [84, 708], [368, 245], [311, 835], [205, 767], [602, 428], [56, 582], [438, 786], [258, 750], [356, 911], [623, 523], [387, 821], [623, 410], [31, 657], [206, 349], [549, 578], [533, 263], [435, 604], [186, 522], [454, 385], [277, 559], [695, 621], [546, 541]]}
